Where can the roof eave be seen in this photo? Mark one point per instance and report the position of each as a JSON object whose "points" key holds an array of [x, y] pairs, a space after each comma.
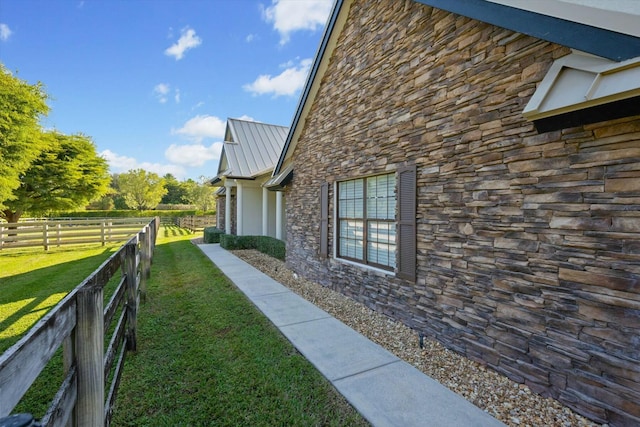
{"points": [[597, 41]]}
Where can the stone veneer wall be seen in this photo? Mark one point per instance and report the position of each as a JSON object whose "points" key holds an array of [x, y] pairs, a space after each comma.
{"points": [[528, 243], [220, 209]]}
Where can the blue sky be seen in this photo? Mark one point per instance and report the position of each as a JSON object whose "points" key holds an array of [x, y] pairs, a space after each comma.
{"points": [[152, 82]]}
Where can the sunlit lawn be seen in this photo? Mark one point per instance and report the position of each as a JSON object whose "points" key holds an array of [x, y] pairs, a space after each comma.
{"points": [[33, 280]]}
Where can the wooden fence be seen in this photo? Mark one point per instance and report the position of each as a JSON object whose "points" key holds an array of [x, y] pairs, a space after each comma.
{"points": [[196, 222], [79, 323], [67, 232]]}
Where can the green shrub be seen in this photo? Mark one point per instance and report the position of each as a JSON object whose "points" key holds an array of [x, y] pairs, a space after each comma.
{"points": [[212, 235], [265, 244], [231, 242], [271, 246]]}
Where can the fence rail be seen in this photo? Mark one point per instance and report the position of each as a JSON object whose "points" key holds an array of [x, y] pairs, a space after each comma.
{"points": [[68, 232], [79, 323], [196, 222]]}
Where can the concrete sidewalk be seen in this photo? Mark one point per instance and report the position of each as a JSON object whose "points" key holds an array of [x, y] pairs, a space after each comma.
{"points": [[384, 389]]}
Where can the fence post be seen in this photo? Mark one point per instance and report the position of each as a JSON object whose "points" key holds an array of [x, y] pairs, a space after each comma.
{"points": [[145, 261], [68, 357], [45, 236], [1, 237], [58, 234], [89, 344], [102, 233], [132, 297]]}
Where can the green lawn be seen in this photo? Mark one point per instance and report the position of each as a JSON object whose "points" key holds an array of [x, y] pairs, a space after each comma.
{"points": [[206, 356], [32, 281]]}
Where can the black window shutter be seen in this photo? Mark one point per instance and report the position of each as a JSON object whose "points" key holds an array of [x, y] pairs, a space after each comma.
{"points": [[407, 222], [324, 220]]}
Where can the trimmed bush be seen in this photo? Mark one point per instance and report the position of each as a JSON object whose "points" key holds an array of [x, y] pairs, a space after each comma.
{"points": [[271, 246], [265, 244], [212, 235], [231, 242]]}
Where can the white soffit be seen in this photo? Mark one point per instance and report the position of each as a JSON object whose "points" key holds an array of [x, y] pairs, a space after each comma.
{"points": [[622, 16], [578, 81]]}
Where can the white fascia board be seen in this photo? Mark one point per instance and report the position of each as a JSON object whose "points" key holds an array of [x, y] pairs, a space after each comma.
{"points": [[578, 81], [621, 16]]}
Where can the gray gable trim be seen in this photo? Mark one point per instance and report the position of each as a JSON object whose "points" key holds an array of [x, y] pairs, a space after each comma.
{"points": [[307, 87], [597, 41]]}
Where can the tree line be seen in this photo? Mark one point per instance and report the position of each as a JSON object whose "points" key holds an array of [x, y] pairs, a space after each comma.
{"points": [[44, 171], [142, 190]]}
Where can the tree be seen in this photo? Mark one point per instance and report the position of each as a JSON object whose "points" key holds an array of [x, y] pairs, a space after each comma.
{"points": [[201, 195], [177, 192], [21, 106], [66, 175], [141, 189]]}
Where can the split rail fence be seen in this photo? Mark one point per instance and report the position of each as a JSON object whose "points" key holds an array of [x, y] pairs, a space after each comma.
{"points": [[67, 232], [80, 323], [196, 222]]}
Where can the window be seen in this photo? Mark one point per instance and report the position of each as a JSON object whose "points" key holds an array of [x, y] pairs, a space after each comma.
{"points": [[367, 220]]}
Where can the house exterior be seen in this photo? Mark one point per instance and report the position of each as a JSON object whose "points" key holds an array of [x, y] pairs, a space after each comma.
{"points": [[244, 204], [472, 169]]}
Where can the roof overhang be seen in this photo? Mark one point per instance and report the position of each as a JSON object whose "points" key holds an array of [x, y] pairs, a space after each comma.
{"points": [[580, 89], [543, 22], [279, 181]]}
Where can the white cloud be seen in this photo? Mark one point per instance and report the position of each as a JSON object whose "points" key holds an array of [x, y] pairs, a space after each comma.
{"points": [[200, 127], [250, 38], [188, 40], [193, 155], [160, 91], [286, 83], [247, 118], [176, 97], [5, 32], [122, 164], [288, 16]]}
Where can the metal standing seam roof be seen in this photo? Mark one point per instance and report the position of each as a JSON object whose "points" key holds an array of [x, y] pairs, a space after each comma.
{"points": [[254, 148]]}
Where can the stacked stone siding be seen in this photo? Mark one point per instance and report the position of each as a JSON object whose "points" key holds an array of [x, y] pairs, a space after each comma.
{"points": [[528, 243], [221, 212]]}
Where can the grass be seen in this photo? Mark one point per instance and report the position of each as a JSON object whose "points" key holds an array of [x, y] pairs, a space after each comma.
{"points": [[32, 281], [205, 355]]}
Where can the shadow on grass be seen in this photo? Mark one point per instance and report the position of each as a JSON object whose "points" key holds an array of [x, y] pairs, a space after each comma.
{"points": [[27, 297], [174, 230]]}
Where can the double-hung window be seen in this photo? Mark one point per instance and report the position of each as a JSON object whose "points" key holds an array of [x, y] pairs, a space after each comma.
{"points": [[367, 220]]}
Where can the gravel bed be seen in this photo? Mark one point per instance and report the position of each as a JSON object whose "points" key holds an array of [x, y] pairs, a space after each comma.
{"points": [[512, 403]]}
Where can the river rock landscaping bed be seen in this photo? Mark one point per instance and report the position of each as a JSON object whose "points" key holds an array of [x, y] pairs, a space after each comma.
{"points": [[512, 403]]}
